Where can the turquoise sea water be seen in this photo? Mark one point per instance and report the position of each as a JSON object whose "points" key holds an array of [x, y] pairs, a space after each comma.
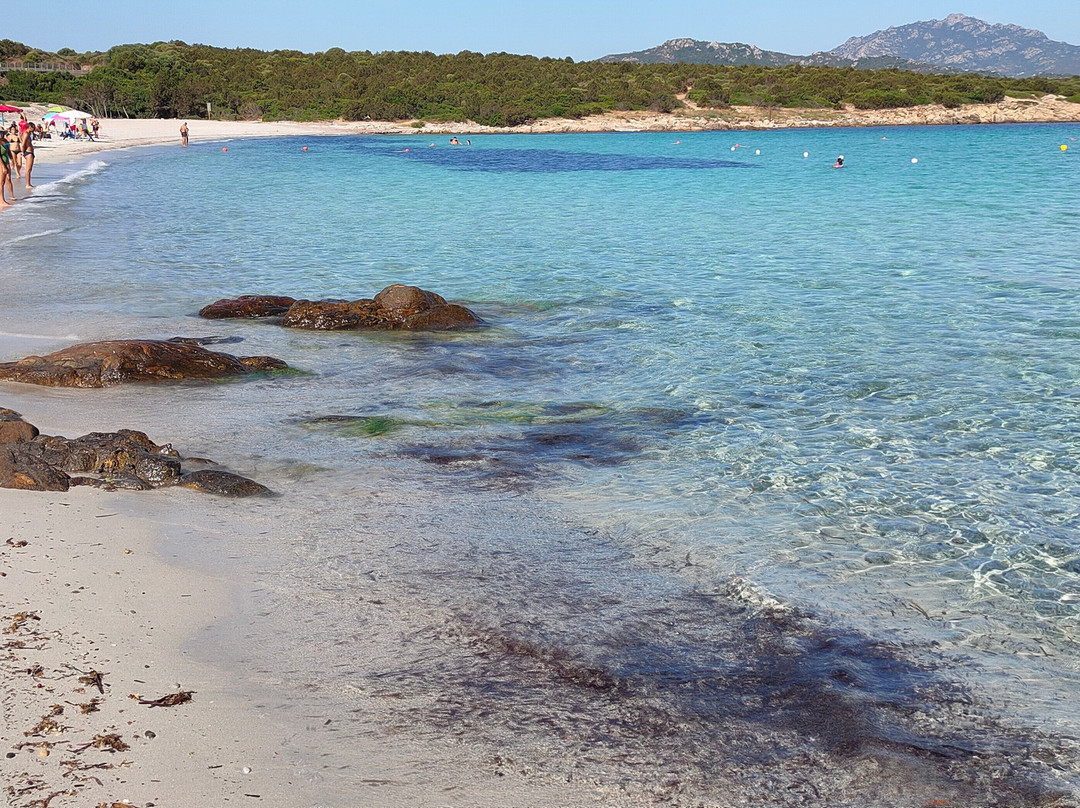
{"points": [[753, 455]]}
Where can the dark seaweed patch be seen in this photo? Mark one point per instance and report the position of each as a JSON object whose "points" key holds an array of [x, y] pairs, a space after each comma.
{"points": [[720, 700], [543, 161]]}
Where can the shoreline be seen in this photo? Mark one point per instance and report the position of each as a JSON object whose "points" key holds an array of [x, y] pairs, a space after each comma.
{"points": [[126, 133]]}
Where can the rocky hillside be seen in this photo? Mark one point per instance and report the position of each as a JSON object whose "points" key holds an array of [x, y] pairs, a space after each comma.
{"points": [[970, 45], [957, 44], [697, 52]]}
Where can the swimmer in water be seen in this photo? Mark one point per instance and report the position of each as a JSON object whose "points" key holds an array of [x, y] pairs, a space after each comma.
{"points": [[839, 162]]}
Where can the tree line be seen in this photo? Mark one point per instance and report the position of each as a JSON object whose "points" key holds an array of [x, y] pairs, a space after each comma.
{"points": [[177, 80]]}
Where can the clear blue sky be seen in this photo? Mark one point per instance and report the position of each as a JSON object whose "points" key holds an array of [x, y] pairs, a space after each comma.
{"points": [[583, 29]]}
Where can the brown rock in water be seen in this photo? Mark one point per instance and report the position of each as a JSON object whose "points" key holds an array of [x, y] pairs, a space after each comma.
{"points": [[397, 307], [448, 317], [405, 301], [247, 306], [13, 429], [22, 470], [103, 364], [222, 483], [332, 315]]}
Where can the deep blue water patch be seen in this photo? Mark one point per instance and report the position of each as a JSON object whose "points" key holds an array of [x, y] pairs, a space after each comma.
{"points": [[543, 161]]}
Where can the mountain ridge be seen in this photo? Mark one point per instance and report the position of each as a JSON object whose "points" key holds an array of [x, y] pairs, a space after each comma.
{"points": [[957, 44]]}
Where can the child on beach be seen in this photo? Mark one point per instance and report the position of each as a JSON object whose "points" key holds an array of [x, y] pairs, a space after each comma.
{"points": [[5, 171]]}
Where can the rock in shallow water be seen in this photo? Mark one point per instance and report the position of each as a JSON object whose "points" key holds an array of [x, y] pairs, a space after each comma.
{"points": [[103, 364], [222, 483], [397, 307], [247, 306]]}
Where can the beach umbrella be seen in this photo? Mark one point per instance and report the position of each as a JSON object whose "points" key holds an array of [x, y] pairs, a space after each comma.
{"points": [[55, 109], [6, 108], [73, 114]]}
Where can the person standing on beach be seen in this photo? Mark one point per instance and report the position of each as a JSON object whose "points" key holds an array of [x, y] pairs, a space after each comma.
{"points": [[5, 170], [183, 133], [26, 146]]}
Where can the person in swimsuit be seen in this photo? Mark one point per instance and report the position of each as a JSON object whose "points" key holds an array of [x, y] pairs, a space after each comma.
{"points": [[839, 162], [183, 134], [5, 170], [16, 152], [26, 144]]}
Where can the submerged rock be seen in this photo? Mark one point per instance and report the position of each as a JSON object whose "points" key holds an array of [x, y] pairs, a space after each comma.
{"points": [[397, 307], [222, 483], [247, 306], [104, 364]]}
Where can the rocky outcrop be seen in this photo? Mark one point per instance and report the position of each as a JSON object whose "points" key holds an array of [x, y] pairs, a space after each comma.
{"points": [[397, 307], [247, 306], [13, 429], [104, 364], [123, 459], [20, 469]]}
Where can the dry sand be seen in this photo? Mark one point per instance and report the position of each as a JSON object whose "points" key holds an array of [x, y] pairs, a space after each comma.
{"points": [[83, 593]]}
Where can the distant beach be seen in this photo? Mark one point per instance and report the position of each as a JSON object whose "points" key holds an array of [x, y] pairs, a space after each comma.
{"points": [[123, 133]]}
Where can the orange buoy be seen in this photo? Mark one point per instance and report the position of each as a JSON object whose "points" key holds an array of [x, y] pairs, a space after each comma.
{"points": [[223, 148], [305, 148]]}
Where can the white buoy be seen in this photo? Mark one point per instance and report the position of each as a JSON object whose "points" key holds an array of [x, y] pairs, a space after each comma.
{"points": [[733, 148], [806, 154], [758, 151], [914, 160]]}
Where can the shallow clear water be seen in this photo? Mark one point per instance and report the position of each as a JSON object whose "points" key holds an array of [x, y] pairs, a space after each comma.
{"points": [[706, 373]]}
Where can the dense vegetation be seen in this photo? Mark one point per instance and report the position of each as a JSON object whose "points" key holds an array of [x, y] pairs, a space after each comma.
{"points": [[175, 80]]}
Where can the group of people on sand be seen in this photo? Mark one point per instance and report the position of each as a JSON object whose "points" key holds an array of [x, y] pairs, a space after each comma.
{"points": [[16, 157], [78, 129]]}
